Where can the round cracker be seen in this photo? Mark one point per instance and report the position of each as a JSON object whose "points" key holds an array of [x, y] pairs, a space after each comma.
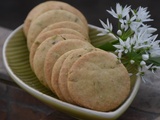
{"points": [[61, 31], [39, 57], [55, 75], [67, 24], [65, 34], [59, 49], [50, 5], [49, 18], [98, 81], [61, 82]]}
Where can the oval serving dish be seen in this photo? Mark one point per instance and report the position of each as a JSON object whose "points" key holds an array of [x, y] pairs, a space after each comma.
{"points": [[16, 61]]}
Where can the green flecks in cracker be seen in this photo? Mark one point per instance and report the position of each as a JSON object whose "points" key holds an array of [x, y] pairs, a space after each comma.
{"points": [[76, 20], [53, 38], [61, 8], [79, 55], [53, 42], [39, 24], [118, 62], [37, 43], [63, 37], [43, 48]]}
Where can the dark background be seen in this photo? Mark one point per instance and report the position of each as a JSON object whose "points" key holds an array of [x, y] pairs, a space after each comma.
{"points": [[13, 12]]}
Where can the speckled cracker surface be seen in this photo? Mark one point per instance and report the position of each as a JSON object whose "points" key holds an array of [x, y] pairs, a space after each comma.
{"points": [[70, 25], [59, 49], [53, 83], [64, 33], [98, 81], [39, 57], [63, 75], [50, 5], [49, 18]]}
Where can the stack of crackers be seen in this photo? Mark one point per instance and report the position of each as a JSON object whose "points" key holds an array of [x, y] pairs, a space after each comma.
{"points": [[64, 60]]}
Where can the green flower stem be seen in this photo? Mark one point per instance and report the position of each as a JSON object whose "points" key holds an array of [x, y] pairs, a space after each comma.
{"points": [[127, 34]]}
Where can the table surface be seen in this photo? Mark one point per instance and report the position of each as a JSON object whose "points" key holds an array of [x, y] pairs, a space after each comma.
{"points": [[146, 105]]}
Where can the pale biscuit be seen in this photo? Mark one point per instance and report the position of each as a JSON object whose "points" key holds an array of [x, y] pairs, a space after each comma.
{"points": [[59, 49], [63, 74], [39, 57], [47, 19], [98, 81], [68, 24], [50, 5], [65, 34], [64, 30], [55, 75]]}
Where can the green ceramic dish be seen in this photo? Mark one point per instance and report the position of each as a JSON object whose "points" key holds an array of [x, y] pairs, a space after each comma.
{"points": [[16, 61]]}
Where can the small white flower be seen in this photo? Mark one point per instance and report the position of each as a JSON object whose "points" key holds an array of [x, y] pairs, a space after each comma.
{"points": [[124, 46], [143, 15], [146, 31], [128, 22], [144, 40], [155, 52], [120, 11], [107, 28], [154, 47], [143, 71], [150, 30], [128, 44], [135, 26], [121, 45], [136, 42], [133, 40]]}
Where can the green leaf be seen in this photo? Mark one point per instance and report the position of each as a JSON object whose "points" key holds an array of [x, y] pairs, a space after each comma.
{"points": [[107, 46], [155, 60]]}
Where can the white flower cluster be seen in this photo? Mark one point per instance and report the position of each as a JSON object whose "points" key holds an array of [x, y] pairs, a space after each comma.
{"points": [[135, 38]]}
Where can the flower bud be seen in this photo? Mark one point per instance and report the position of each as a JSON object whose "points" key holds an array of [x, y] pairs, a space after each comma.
{"points": [[145, 57], [119, 32], [122, 26], [132, 61], [142, 63]]}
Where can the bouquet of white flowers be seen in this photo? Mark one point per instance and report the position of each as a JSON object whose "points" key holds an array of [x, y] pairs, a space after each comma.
{"points": [[135, 44]]}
